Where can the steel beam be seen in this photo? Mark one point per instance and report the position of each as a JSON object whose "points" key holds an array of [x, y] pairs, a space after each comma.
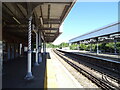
{"points": [[49, 29], [51, 21]]}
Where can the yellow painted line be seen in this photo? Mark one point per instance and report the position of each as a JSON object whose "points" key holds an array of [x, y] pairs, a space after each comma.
{"points": [[45, 79], [51, 78]]}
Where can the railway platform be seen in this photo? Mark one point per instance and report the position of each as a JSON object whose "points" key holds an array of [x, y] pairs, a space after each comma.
{"points": [[57, 75], [49, 74], [101, 55], [14, 72]]}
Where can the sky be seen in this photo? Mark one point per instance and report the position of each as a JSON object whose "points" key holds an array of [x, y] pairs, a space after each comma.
{"points": [[87, 16]]}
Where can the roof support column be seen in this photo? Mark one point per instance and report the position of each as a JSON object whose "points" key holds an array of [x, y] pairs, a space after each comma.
{"points": [[1, 46], [15, 46], [13, 51], [40, 43], [97, 46], [8, 50], [78, 45], [90, 47], [20, 52], [44, 48], [115, 48], [36, 61], [29, 75]]}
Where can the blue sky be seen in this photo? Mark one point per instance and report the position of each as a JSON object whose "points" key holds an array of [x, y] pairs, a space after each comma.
{"points": [[87, 16]]}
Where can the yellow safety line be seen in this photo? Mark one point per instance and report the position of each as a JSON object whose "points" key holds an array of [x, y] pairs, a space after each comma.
{"points": [[45, 79], [51, 79]]}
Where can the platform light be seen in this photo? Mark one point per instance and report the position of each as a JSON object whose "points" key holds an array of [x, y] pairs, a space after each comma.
{"points": [[16, 20]]}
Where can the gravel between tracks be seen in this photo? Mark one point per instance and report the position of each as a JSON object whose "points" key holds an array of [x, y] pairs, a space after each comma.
{"points": [[84, 81]]}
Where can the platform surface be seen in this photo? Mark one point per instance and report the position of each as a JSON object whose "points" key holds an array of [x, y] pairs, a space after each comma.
{"points": [[58, 76], [14, 72]]}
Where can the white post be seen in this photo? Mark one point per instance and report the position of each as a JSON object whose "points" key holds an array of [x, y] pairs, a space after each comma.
{"points": [[13, 51], [36, 61], [17, 50], [44, 48], [29, 75], [97, 48], [20, 48], [90, 47], [40, 42], [8, 48], [115, 50], [78, 46]]}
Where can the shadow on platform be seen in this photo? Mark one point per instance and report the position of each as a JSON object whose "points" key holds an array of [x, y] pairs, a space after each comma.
{"points": [[48, 55], [14, 72]]}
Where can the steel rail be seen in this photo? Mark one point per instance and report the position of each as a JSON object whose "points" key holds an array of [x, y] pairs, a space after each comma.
{"points": [[101, 83]]}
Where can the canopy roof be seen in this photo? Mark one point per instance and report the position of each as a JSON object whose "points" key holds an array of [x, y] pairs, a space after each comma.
{"points": [[108, 31], [47, 17]]}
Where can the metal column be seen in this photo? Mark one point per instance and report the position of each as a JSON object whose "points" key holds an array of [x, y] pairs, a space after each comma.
{"points": [[17, 50], [15, 47], [40, 42], [13, 51], [29, 75], [36, 61], [78, 44], [91, 47], [44, 48], [20, 48], [1, 48], [97, 48], [8, 50], [115, 49]]}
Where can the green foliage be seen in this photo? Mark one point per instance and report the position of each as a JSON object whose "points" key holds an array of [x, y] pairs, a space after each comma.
{"points": [[104, 47], [50, 45], [82, 47], [73, 47], [62, 45]]}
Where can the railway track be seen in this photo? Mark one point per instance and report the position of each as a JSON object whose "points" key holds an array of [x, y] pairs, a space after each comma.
{"points": [[107, 68], [102, 82]]}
